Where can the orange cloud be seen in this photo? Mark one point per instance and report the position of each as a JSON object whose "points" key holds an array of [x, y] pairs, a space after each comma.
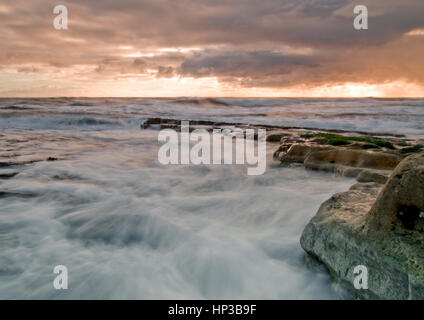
{"points": [[211, 48]]}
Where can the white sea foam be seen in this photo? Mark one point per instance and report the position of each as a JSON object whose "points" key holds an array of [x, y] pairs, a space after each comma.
{"points": [[127, 227]]}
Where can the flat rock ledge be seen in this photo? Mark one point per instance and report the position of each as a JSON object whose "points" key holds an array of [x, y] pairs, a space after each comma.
{"points": [[377, 226], [351, 160]]}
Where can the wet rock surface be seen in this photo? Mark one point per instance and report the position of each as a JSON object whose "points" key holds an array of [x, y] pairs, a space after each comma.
{"points": [[380, 227], [378, 223], [367, 158]]}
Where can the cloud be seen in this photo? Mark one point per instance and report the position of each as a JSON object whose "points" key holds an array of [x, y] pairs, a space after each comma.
{"points": [[243, 63], [247, 43]]}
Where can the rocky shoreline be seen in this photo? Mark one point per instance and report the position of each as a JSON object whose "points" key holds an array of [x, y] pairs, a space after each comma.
{"points": [[378, 223]]}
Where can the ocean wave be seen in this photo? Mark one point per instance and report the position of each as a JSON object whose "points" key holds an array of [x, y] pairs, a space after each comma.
{"points": [[67, 123], [400, 116], [16, 107], [201, 101]]}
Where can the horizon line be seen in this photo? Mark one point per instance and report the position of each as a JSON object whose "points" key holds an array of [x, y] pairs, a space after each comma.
{"points": [[205, 97]]}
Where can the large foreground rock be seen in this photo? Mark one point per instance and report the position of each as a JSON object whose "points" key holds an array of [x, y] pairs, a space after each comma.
{"points": [[379, 227]]}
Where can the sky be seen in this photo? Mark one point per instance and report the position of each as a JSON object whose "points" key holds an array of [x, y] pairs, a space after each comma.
{"points": [[222, 48]]}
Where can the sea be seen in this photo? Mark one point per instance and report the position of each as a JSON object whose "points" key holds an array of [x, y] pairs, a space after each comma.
{"points": [[127, 227]]}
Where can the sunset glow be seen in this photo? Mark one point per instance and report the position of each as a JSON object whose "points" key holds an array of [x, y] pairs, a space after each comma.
{"points": [[172, 49]]}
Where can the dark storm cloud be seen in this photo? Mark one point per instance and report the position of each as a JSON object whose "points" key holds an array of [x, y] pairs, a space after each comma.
{"points": [[243, 64]]}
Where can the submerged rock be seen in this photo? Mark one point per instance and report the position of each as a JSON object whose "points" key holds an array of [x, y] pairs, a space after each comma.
{"points": [[381, 228], [378, 176]]}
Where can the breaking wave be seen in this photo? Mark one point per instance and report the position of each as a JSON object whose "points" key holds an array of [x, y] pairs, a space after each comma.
{"points": [[68, 123]]}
